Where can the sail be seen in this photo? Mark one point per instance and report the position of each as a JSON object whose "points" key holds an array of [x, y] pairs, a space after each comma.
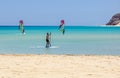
{"points": [[61, 27], [61, 24]]}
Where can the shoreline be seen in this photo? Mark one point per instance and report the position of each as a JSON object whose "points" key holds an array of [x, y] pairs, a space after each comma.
{"points": [[59, 66], [65, 54]]}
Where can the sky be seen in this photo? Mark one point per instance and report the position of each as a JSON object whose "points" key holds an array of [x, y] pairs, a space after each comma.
{"points": [[50, 12]]}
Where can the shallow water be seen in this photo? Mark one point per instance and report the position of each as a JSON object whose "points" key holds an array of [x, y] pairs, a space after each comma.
{"points": [[76, 40]]}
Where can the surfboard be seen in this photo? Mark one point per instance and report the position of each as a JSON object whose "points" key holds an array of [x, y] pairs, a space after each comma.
{"points": [[24, 33], [53, 47], [37, 47]]}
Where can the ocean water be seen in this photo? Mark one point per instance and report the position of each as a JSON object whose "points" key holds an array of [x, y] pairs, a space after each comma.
{"points": [[94, 40]]}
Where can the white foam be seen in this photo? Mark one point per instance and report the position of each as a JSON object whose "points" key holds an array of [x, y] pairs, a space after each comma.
{"points": [[54, 47], [35, 47], [24, 33]]}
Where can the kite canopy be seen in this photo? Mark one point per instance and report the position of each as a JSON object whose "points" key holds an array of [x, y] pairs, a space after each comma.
{"points": [[62, 21], [21, 21]]}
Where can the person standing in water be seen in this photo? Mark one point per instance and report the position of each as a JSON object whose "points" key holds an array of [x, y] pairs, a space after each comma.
{"points": [[48, 38], [21, 26], [61, 27]]}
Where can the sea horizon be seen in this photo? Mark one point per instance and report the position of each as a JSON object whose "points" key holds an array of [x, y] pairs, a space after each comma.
{"points": [[50, 25]]}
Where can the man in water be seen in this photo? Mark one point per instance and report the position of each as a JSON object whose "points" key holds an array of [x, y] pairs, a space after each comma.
{"points": [[48, 40]]}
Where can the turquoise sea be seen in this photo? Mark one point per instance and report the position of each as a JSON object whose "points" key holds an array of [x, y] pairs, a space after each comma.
{"points": [[96, 40]]}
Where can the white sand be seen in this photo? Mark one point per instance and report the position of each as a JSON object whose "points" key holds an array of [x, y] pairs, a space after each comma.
{"points": [[59, 66]]}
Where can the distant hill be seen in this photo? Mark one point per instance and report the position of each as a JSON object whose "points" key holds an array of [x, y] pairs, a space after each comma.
{"points": [[115, 20]]}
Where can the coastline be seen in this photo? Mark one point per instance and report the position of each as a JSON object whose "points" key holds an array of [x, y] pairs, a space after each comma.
{"points": [[59, 66]]}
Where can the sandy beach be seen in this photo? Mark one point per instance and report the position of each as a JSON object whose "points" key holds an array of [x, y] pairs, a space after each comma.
{"points": [[59, 66]]}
